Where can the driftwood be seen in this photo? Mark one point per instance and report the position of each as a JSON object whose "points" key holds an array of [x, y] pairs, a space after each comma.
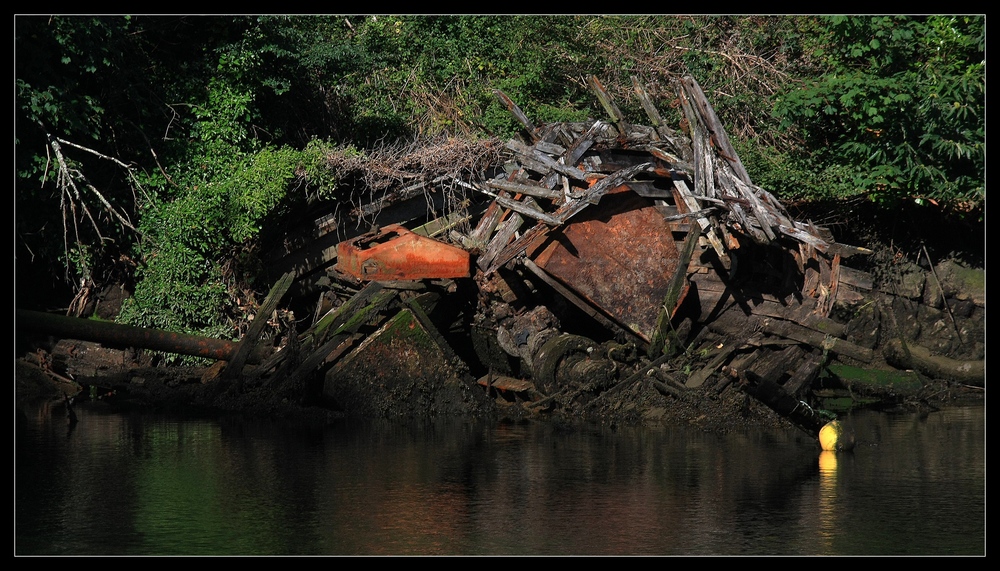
{"points": [[911, 356]]}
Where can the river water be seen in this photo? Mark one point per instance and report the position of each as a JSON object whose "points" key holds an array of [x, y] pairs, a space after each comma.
{"points": [[143, 484]]}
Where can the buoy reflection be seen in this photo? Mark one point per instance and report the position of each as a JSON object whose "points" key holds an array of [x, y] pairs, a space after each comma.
{"points": [[827, 498]]}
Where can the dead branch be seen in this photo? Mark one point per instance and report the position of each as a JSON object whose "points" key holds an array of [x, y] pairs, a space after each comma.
{"points": [[93, 152]]}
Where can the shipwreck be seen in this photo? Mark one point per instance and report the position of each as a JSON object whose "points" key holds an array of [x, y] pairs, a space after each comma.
{"points": [[594, 255]]}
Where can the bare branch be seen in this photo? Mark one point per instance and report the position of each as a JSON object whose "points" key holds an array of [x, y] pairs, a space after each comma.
{"points": [[93, 152], [66, 181]]}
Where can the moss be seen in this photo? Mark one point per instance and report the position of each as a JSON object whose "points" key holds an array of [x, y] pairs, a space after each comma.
{"points": [[879, 380]]}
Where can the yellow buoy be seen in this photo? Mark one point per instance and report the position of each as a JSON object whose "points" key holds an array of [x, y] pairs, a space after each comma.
{"points": [[835, 436]]}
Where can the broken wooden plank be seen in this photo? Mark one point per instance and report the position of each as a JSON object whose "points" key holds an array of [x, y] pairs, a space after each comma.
{"points": [[516, 247], [516, 112], [673, 162], [530, 190], [764, 217], [674, 139], [440, 225], [676, 292], [856, 278], [609, 105], [549, 148], [690, 201], [582, 143], [649, 189], [352, 313], [593, 194], [799, 333], [647, 105], [249, 341], [292, 374], [803, 236], [717, 133], [533, 158], [779, 400], [846, 251], [529, 210], [804, 374], [504, 233], [699, 377]]}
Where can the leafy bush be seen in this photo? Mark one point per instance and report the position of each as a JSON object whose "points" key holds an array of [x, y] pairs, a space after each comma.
{"points": [[217, 205], [902, 104]]}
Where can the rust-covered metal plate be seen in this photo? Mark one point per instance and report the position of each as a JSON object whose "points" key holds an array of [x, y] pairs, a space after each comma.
{"points": [[619, 256]]}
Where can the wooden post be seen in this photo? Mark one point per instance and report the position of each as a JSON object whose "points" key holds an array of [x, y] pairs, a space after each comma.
{"points": [[249, 341]]}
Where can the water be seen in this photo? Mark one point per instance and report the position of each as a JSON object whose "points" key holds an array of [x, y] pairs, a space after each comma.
{"points": [[139, 484]]}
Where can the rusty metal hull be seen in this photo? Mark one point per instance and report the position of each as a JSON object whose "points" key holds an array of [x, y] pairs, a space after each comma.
{"points": [[620, 258]]}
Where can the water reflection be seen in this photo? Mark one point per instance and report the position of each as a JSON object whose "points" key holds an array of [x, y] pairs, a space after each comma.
{"points": [[142, 484], [827, 498]]}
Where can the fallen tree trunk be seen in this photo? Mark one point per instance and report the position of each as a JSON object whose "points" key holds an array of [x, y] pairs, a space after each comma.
{"points": [[115, 334]]}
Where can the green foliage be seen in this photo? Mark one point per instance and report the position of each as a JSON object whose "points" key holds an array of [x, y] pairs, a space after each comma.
{"points": [[438, 73], [795, 176], [231, 183], [181, 284], [902, 105]]}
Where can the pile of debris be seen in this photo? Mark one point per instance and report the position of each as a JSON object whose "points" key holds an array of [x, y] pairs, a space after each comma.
{"points": [[597, 257]]}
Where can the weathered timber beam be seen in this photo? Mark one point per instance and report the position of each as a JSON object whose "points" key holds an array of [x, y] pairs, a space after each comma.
{"points": [[711, 122], [675, 163], [647, 105], [676, 291], [528, 189], [516, 112], [782, 402], [801, 235], [516, 247], [662, 130], [699, 377], [690, 201], [549, 148], [480, 235], [250, 338], [593, 194], [799, 333], [529, 211], [609, 105], [549, 164], [804, 374], [330, 351], [441, 225], [765, 217]]}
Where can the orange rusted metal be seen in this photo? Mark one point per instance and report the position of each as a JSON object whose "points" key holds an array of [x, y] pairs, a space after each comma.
{"points": [[620, 258], [396, 253]]}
